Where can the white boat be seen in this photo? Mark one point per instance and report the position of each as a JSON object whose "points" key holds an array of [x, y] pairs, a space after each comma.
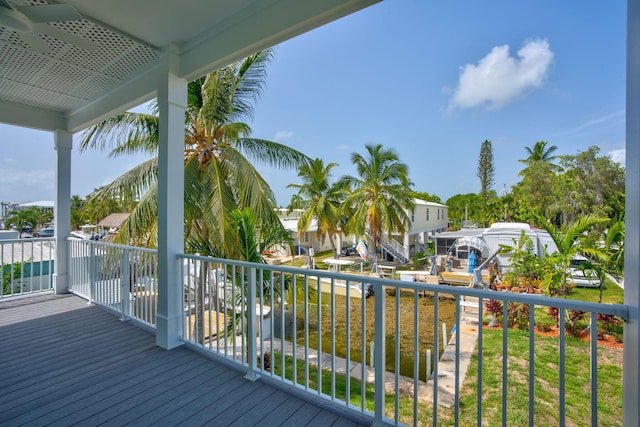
{"points": [[87, 232]]}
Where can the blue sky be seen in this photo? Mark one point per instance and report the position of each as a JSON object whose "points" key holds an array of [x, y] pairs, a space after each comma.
{"points": [[432, 80]]}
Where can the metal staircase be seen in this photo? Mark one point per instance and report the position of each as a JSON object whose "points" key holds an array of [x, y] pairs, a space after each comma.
{"points": [[393, 247]]}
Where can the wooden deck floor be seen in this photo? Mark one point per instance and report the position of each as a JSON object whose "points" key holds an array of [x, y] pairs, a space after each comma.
{"points": [[66, 363]]}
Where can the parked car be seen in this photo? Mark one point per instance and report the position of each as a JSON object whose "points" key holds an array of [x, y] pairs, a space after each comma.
{"points": [[349, 250], [581, 274], [45, 232]]}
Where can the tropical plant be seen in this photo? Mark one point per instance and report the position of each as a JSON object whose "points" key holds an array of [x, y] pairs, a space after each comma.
{"points": [[423, 195], [485, 174], [464, 207], [540, 153], [98, 206], [219, 177], [11, 272], [44, 216], [77, 214], [321, 200], [253, 243], [23, 218], [380, 196], [614, 245], [525, 265], [569, 242]]}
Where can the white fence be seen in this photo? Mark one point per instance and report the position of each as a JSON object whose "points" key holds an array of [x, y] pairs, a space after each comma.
{"points": [[123, 278], [27, 266], [369, 355]]}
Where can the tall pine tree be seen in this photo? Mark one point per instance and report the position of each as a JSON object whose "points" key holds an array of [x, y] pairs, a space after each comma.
{"points": [[485, 175]]}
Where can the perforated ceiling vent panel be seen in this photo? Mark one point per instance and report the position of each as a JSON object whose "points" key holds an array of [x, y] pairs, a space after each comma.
{"points": [[66, 76]]}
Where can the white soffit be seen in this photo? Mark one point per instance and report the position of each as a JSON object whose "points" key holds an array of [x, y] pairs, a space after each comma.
{"points": [[69, 74]]}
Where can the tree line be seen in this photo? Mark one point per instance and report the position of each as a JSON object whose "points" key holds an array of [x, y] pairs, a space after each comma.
{"points": [[561, 189]]}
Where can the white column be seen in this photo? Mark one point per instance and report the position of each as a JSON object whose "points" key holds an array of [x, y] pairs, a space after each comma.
{"points": [[172, 100], [63, 142], [631, 371], [407, 247]]}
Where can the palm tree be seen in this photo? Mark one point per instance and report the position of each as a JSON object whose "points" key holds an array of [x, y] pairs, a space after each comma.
{"points": [[321, 200], [219, 176], [77, 213], [23, 218], [540, 153], [380, 195], [44, 216], [570, 242], [614, 245]]}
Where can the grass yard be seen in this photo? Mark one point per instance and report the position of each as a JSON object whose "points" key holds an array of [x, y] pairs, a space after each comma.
{"points": [[546, 385]]}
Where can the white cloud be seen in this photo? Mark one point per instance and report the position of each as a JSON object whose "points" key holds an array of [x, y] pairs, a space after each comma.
{"points": [[20, 184], [619, 155], [498, 78], [283, 134]]}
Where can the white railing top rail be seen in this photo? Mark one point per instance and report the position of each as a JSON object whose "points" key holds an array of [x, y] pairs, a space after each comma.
{"points": [[619, 310], [112, 245], [27, 240]]}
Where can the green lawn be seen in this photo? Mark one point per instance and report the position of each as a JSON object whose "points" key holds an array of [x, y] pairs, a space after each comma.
{"points": [[546, 385]]}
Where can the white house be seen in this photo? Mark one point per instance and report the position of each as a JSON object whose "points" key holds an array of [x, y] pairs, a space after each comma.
{"points": [[309, 238], [427, 219]]}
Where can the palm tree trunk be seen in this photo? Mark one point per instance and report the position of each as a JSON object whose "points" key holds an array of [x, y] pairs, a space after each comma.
{"points": [[336, 254]]}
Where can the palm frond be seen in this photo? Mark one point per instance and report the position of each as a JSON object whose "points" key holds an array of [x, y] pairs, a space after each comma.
{"points": [[141, 228], [124, 133], [271, 153]]}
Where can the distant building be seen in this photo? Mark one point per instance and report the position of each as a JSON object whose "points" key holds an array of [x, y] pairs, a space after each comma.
{"points": [[8, 207], [46, 205], [309, 238], [426, 220]]}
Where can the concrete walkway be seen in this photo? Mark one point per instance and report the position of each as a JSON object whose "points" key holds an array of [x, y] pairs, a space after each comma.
{"points": [[446, 366]]}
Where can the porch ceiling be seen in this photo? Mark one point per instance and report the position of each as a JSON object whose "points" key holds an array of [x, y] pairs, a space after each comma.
{"points": [[70, 74]]}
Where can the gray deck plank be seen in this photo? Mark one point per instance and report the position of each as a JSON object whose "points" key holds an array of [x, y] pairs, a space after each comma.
{"points": [[71, 363], [302, 416], [160, 396], [265, 411], [207, 404], [97, 400], [322, 419]]}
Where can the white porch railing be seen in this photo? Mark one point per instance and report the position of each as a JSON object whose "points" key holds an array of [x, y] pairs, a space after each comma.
{"points": [[123, 278], [313, 331], [322, 343], [27, 266]]}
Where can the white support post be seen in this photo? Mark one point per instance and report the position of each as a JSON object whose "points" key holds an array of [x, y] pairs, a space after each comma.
{"points": [[125, 278], [63, 142], [252, 330], [172, 101], [631, 352], [379, 354], [407, 246]]}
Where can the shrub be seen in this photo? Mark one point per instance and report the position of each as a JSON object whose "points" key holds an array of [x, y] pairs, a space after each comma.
{"points": [[518, 315], [419, 260], [609, 324], [554, 313], [544, 325], [494, 308], [575, 322]]}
